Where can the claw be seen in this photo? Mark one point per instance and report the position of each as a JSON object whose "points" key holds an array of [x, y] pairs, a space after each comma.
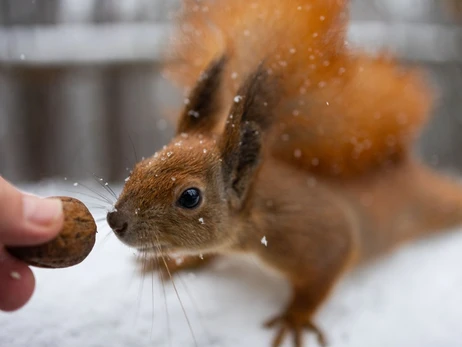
{"points": [[272, 322], [298, 337], [294, 324], [322, 341], [280, 336]]}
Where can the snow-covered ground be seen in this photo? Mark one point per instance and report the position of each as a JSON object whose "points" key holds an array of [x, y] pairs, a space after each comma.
{"points": [[410, 299]]}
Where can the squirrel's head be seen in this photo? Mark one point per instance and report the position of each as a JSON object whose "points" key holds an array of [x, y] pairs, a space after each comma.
{"points": [[186, 197]]}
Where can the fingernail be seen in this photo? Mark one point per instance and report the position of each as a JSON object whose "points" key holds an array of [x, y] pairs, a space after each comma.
{"points": [[41, 211]]}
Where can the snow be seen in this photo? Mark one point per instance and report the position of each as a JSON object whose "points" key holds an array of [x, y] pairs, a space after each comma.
{"points": [[412, 298], [237, 99], [15, 275]]}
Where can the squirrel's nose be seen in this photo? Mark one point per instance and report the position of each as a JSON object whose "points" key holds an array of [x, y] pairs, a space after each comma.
{"points": [[118, 222]]}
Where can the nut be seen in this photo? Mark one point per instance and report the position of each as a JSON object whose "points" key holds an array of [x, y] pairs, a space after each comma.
{"points": [[72, 245]]}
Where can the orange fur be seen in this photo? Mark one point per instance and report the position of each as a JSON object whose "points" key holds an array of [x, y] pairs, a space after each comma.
{"points": [[275, 168], [344, 112]]}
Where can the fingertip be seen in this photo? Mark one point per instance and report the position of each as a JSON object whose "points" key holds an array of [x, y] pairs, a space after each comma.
{"points": [[43, 218], [41, 212], [28, 219], [18, 283], [27, 233], [35, 235]]}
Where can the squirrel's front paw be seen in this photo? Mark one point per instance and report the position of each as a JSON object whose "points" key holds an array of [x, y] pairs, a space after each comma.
{"points": [[294, 322]]}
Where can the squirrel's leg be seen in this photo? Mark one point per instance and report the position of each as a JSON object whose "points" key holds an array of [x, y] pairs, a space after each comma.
{"points": [[313, 261], [298, 316]]}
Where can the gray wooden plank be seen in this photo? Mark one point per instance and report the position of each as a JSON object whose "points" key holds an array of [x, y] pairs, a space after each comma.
{"points": [[112, 43]]}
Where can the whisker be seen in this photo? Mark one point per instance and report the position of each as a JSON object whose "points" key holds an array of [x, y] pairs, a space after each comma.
{"points": [[87, 195], [97, 207], [176, 292], [98, 179], [104, 240], [103, 227], [101, 219], [167, 315], [196, 307], [110, 190], [134, 272], [105, 185], [133, 146], [97, 193], [152, 301], [140, 292]]}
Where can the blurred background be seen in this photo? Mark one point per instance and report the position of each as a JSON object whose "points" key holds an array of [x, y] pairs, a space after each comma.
{"points": [[81, 89]]}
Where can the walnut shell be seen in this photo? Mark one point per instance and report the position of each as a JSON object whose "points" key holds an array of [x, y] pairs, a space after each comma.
{"points": [[72, 245]]}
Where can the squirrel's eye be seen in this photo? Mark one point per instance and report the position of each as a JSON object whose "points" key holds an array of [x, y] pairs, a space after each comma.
{"points": [[190, 198]]}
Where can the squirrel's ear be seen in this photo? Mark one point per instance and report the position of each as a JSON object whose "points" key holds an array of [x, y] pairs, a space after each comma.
{"points": [[201, 113], [241, 143]]}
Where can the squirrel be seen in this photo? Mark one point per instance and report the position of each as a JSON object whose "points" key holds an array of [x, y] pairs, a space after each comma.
{"points": [[292, 146]]}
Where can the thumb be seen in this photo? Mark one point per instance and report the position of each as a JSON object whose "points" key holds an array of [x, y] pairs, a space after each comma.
{"points": [[26, 219]]}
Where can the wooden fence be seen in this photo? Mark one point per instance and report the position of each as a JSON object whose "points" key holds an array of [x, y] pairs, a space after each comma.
{"points": [[81, 91]]}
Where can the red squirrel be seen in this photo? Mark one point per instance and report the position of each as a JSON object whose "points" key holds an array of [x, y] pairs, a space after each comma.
{"points": [[292, 146]]}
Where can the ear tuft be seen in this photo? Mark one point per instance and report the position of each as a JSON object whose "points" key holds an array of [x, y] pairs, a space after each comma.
{"points": [[249, 156], [251, 114], [260, 94], [201, 113]]}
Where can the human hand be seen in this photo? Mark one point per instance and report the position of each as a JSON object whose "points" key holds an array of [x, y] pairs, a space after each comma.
{"points": [[24, 220]]}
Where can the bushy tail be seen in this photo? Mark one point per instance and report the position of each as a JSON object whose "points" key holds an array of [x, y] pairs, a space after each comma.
{"points": [[405, 204], [438, 202], [343, 112]]}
